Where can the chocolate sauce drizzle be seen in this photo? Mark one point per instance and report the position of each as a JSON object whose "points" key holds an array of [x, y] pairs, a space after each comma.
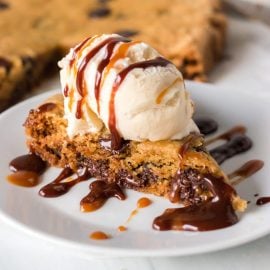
{"points": [[206, 125], [109, 45], [80, 82], [116, 138], [77, 49], [236, 145], [71, 62], [66, 90], [103, 64], [29, 162], [216, 213], [100, 192], [57, 188], [263, 200], [26, 170], [237, 142]]}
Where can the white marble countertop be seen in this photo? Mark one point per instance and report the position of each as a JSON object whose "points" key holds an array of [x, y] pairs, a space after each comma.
{"points": [[246, 68]]}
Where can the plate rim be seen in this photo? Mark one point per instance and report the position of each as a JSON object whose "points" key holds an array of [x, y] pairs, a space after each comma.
{"points": [[88, 250]]}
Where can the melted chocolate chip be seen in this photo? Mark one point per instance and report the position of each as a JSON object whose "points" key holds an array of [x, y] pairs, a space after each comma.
{"points": [[103, 1], [141, 180], [107, 143], [99, 12], [184, 186], [3, 5], [126, 180], [28, 63], [5, 63], [190, 62], [127, 32], [98, 168], [27, 60]]}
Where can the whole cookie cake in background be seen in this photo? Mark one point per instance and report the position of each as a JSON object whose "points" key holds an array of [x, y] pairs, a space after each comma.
{"points": [[35, 34]]}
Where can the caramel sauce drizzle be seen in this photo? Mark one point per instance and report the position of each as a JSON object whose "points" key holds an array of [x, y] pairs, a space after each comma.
{"points": [[119, 54], [24, 178], [246, 170], [26, 170], [228, 135], [79, 48], [104, 63], [122, 228], [80, 82], [141, 203], [159, 61], [187, 143], [104, 67], [46, 107], [165, 91], [73, 69], [76, 51], [99, 235], [70, 102], [216, 212]]}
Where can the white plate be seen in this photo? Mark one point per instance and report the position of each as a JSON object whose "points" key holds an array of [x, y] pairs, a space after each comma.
{"points": [[59, 221]]}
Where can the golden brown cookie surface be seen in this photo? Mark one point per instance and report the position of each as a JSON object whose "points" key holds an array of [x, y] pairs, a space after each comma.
{"points": [[36, 33]]}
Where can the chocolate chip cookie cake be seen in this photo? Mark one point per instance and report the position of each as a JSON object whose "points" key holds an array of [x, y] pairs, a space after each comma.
{"points": [[125, 118], [35, 34]]}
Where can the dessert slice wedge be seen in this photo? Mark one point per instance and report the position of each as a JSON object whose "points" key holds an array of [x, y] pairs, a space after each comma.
{"points": [[125, 118], [175, 169]]}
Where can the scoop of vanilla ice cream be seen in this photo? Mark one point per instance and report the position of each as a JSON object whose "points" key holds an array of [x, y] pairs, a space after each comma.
{"points": [[150, 104]]}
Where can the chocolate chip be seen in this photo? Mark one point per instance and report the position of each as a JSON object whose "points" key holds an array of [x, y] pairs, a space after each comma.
{"points": [[162, 11], [27, 61], [6, 64], [127, 32], [3, 5], [103, 1], [184, 185], [99, 12], [190, 62]]}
